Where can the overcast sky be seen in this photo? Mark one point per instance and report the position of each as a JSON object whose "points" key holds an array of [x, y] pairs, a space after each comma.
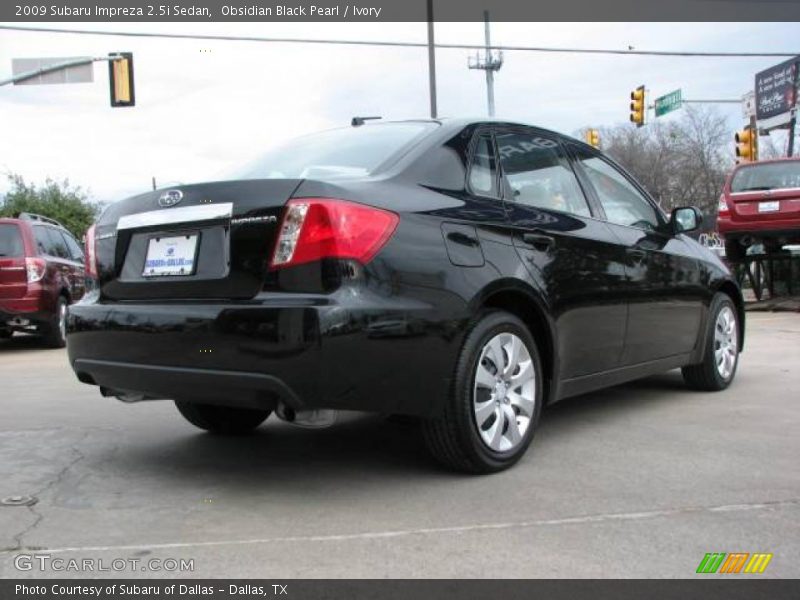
{"points": [[203, 107]]}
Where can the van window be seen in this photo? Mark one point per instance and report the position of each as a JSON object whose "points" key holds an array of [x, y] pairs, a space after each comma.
{"points": [[10, 240]]}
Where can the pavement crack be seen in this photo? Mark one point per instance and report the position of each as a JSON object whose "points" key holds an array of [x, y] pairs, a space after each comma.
{"points": [[447, 530], [52, 483]]}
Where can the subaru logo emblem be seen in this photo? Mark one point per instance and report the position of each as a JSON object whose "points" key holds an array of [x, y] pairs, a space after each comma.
{"points": [[170, 198]]}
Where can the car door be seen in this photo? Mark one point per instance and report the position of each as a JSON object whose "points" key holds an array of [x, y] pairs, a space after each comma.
{"points": [[60, 265], [77, 270], [573, 255], [663, 273]]}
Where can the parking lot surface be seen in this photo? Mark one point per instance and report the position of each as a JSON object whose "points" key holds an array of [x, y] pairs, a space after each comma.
{"points": [[636, 481]]}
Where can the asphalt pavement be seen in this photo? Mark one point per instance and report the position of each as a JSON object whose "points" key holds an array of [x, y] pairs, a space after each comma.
{"points": [[640, 480]]}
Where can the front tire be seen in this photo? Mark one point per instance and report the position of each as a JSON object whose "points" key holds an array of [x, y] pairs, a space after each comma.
{"points": [[223, 420], [721, 355], [494, 405]]}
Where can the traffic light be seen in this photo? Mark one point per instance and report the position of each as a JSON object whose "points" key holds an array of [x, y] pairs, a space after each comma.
{"points": [[592, 137], [637, 106], [746, 145], [120, 78]]}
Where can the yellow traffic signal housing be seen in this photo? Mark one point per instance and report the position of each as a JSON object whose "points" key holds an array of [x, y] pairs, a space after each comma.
{"points": [[637, 106], [746, 145], [593, 137], [120, 77]]}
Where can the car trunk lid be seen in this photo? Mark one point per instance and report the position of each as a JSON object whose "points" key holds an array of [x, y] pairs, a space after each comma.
{"points": [[766, 205], [210, 240]]}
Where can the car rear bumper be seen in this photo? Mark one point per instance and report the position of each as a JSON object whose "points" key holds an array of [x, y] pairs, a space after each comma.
{"points": [[789, 228], [306, 351], [29, 309]]}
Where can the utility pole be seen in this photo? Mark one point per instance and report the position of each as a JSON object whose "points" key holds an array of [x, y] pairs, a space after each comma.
{"points": [[490, 62], [431, 61]]}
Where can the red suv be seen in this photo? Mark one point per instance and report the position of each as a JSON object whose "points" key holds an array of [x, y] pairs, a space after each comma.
{"points": [[41, 273], [760, 203]]}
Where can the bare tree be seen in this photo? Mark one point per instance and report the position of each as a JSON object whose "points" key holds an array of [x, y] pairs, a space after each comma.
{"points": [[681, 162]]}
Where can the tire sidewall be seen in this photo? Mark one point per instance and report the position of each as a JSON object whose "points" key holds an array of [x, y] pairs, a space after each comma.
{"points": [[54, 335], [721, 301], [492, 324]]}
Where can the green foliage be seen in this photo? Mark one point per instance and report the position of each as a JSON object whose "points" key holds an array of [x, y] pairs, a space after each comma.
{"points": [[69, 205]]}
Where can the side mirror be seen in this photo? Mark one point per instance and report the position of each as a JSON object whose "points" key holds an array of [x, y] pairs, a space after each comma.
{"points": [[685, 219]]}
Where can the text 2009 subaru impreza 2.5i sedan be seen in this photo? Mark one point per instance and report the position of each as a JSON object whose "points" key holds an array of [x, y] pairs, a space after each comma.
{"points": [[465, 272]]}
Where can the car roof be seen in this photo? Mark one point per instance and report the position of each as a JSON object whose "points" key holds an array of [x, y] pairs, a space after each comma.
{"points": [[768, 161], [461, 122]]}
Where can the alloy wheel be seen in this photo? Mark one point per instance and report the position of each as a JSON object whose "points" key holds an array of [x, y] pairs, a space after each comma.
{"points": [[726, 344], [62, 320], [504, 396]]}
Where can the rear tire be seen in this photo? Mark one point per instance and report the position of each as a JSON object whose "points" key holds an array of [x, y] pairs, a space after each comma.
{"points": [[734, 251], [223, 420], [721, 355], [494, 405], [55, 332]]}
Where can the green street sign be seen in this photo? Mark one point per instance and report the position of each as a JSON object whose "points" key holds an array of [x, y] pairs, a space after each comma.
{"points": [[668, 103]]}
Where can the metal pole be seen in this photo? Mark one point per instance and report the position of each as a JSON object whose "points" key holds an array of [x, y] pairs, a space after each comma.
{"points": [[489, 72], [56, 67], [431, 61], [792, 125], [712, 101]]}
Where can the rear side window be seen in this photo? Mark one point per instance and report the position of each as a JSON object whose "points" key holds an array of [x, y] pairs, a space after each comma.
{"points": [[10, 240], [483, 170], [539, 173], [75, 251], [58, 243], [338, 153], [767, 176], [44, 243], [49, 241]]}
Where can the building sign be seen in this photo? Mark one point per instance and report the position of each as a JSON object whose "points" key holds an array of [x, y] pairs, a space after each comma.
{"points": [[776, 89]]}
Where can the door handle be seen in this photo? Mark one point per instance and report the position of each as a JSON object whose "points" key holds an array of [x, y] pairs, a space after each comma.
{"points": [[539, 241]]}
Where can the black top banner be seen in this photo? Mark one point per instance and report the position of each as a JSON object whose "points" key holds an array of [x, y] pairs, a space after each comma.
{"points": [[397, 10]]}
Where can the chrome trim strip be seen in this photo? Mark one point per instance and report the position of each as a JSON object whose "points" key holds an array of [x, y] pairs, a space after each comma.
{"points": [[769, 191], [169, 216]]}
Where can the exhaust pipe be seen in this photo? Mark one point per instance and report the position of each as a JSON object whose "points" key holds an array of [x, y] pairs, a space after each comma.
{"points": [[309, 419]]}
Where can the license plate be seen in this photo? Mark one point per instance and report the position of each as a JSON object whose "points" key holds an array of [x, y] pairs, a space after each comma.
{"points": [[771, 206], [170, 256]]}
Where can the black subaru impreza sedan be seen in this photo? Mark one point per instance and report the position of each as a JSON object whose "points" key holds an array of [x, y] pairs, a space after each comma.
{"points": [[466, 272]]}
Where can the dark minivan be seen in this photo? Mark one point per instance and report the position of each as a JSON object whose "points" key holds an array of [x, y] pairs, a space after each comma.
{"points": [[465, 272]]}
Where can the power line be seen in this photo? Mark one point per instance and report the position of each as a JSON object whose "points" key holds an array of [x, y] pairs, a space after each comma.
{"points": [[288, 40]]}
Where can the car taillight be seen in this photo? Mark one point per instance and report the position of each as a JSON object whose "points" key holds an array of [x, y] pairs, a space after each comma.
{"points": [[317, 228], [35, 268], [91, 253], [722, 208]]}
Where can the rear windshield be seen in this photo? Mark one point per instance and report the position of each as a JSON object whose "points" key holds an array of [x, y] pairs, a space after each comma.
{"points": [[10, 240], [336, 154], [767, 176]]}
